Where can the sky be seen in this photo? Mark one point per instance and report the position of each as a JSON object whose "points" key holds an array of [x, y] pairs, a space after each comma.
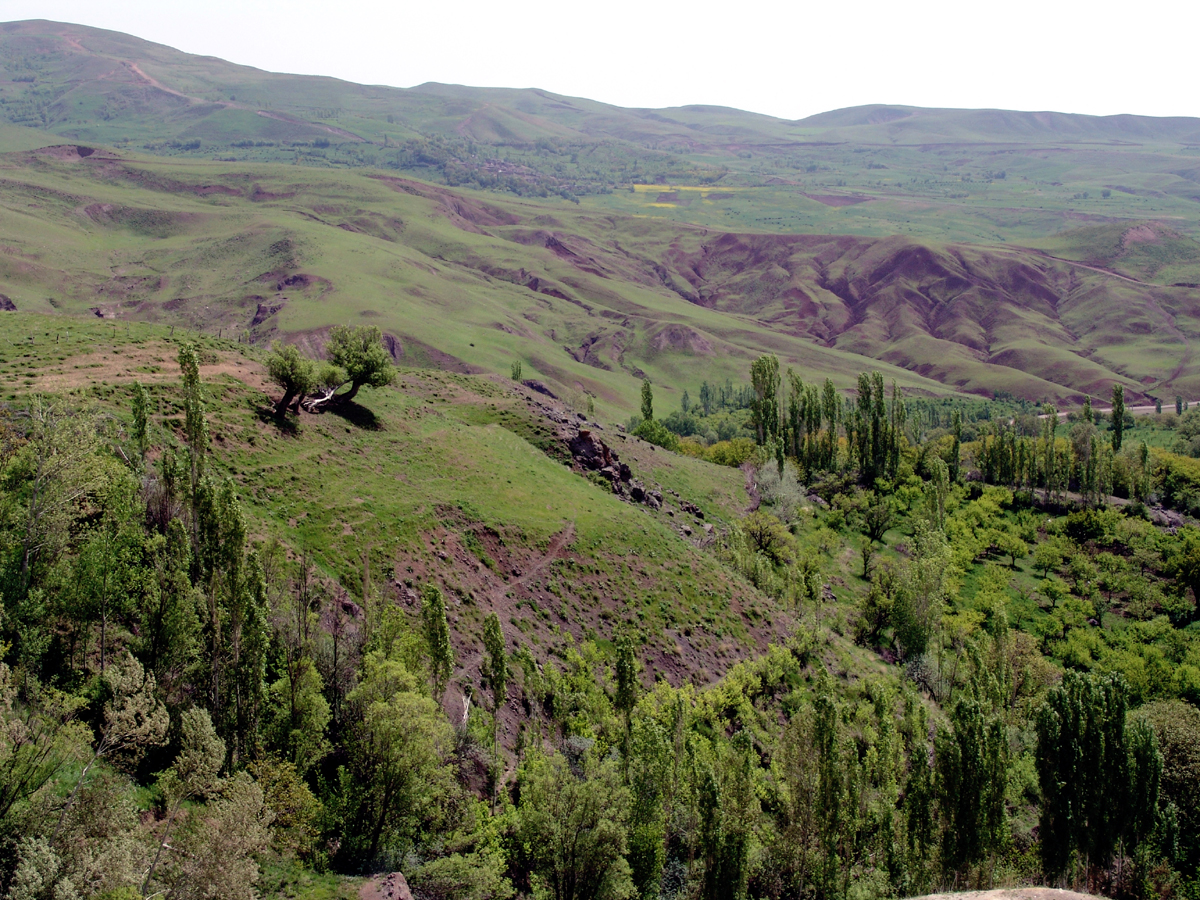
{"points": [[789, 59]]}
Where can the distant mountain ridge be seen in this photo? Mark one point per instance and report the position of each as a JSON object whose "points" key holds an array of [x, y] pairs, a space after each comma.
{"points": [[922, 124], [57, 75]]}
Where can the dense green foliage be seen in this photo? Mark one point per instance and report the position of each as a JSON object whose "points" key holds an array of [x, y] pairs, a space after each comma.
{"points": [[161, 659]]}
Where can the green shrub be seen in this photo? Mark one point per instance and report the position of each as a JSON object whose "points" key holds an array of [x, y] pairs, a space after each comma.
{"points": [[654, 432]]}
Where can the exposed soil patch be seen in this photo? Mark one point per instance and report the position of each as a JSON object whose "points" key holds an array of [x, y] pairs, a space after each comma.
{"points": [[386, 887], [264, 312], [682, 338], [301, 281], [1140, 234], [139, 364], [258, 195], [66, 152], [837, 200], [124, 286], [205, 190]]}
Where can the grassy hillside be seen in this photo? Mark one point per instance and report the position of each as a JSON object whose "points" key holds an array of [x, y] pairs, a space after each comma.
{"points": [[1147, 251], [590, 304], [446, 478]]}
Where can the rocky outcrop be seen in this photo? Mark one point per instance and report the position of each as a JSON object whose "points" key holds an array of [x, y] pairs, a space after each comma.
{"points": [[1166, 518], [6, 303], [389, 887], [535, 385], [264, 312], [590, 452]]}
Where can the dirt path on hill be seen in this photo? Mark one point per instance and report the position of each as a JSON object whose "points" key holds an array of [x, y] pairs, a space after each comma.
{"points": [[296, 120], [558, 544], [1097, 269], [1036, 893], [155, 83]]}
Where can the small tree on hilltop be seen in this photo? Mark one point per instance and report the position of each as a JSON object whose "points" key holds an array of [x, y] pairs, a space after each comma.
{"points": [[359, 356], [294, 373]]}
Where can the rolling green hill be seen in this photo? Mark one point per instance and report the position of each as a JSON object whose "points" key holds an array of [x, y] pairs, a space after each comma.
{"points": [[592, 304], [967, 175]]}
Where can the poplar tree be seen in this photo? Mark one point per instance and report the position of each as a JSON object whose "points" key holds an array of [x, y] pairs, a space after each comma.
{"points": [[437, 639], [647, 401], [972, 771], [831, 776], [1099, 778], [195, 425], [1049, 463], [831, 410], [141, 419], [796, 406], [956, 447], [627, 683], [495, 670], [764, 408], [1118, 416]]}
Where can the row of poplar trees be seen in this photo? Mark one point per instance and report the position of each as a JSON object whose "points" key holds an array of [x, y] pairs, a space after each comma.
{"points": [[804, 423]]}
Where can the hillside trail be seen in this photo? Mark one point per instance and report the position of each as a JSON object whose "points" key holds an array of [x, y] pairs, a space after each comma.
{"points": [[1132, 410], [558, 544], [1097, 269], [1033, 893], [155, 83]]}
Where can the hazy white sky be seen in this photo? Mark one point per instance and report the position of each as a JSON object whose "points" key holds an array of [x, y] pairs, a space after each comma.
{"points": [[789, 59]]}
